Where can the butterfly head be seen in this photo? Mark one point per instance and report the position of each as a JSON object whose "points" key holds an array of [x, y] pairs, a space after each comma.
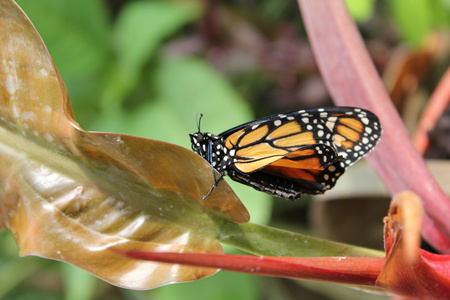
{"points": [[199, 142], [207, 146]]}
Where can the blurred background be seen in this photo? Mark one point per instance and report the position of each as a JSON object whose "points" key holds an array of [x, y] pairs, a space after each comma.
{"points": [[147, 68]]}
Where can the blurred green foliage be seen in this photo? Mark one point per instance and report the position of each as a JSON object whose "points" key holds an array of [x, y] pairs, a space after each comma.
{"points": [[144, 68], [416, 19], [360, 10]]}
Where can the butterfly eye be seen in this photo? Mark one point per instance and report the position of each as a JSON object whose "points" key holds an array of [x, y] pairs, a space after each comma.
{"points": [[195, 145]]}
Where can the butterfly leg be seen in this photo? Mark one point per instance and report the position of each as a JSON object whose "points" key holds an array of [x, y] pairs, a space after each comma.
{"points": [[216, 182], [209, 159]]}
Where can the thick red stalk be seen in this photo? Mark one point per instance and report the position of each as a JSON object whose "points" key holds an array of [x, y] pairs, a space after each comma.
{"points": [[352, 80], [348, 270]]}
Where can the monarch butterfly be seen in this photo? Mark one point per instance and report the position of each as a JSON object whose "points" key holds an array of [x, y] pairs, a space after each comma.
{"points": [[290, 154]]}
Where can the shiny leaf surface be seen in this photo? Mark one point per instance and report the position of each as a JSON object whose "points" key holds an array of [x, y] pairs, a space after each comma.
{"points": [[68, 194]]}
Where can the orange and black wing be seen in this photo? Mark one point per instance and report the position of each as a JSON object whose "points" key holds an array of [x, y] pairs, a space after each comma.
{"points": [[295, 174], [300, 152], [354, 132]]}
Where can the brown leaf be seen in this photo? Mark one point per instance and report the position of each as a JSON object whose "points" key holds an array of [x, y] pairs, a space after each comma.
{"points": [[69, 195]]}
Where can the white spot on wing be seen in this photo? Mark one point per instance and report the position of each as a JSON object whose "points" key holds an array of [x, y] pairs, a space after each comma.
{"points": [[331, 121]]}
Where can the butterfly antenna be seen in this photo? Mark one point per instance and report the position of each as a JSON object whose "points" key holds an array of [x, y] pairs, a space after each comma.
{"points": [[199, 119]]}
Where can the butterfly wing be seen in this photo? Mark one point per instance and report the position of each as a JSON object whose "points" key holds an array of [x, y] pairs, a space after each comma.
{"points": [[355, 131], [302, 151], [351, 132], [290, 188], [259, 144], [299, 172]]}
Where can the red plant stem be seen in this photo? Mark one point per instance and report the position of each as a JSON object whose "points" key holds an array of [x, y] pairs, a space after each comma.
{"points": [[348, 270], [436, 106], [352, 80], [440, 263], [395, 297]]}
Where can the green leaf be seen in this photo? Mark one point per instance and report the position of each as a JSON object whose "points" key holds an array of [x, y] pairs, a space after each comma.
{"points": [[414, 19], [142, 26], [269, 241], [78, 36], [221, 286], [76, 33], [360, 10], [191, 86], [74, 279], [14, 271]]}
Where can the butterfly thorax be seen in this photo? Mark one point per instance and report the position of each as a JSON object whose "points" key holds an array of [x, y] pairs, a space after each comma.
{"points": [[211, 148]]}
